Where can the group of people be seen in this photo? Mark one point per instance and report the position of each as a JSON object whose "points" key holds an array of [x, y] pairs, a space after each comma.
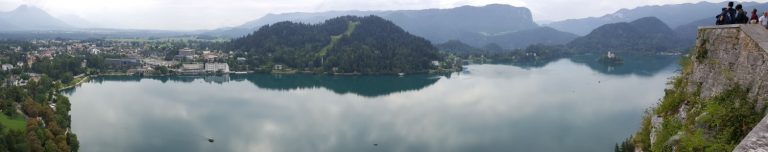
{"points": [[737, 15]]}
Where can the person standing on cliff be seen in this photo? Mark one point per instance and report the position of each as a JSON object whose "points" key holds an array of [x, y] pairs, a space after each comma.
{"points": [[720, 18], [741, 16], [727, 15], [764, 20], [754, 18]]}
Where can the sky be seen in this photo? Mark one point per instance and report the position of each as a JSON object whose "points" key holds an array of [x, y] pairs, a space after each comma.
{"points": [[211, 14]]}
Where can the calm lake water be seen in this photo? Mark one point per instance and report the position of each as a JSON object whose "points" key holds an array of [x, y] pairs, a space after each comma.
{"points": [[566, 105]]}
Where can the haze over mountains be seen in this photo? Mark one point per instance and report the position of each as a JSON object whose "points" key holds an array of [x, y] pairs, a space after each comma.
{"points": [[645, 35], [477, 26], [495, 25], [30, 18], [672, 15]]}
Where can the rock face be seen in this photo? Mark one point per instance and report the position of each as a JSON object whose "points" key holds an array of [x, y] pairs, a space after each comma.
{"points": [[757, 140], [734, 55]]}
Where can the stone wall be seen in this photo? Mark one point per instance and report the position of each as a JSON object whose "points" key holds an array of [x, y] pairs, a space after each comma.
{"points": [[733, 55]]}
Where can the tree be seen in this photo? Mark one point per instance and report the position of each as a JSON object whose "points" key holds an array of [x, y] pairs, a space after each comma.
{"points": [[67, 78], [74, 144], [347, 44]]}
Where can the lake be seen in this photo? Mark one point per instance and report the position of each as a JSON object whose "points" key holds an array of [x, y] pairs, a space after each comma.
{"points": [[565, 105]]}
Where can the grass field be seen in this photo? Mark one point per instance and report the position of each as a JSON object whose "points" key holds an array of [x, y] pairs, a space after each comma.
{"points": [[351, 26], [13, 123]]}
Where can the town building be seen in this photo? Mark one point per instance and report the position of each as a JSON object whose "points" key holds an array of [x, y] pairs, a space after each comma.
{"points": [[6, 67], [122, 63], [159, 62], [195, 68], [192, 66], [186, 53], [217, 67], [278, 67]]}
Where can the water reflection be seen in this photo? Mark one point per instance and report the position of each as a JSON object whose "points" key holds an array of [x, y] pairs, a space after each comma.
{"points": [[369, 86], [563, 106], [641, 65]]}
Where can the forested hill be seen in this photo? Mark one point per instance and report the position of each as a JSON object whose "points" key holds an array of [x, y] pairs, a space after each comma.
{"points": [[645, 35], [347, 44]]}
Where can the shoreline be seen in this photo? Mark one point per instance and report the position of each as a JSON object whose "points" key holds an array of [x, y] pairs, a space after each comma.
{"points": [[83, 80], [284, 72]]}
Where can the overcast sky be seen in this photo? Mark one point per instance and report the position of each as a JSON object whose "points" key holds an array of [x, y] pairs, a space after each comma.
{"points": [[209, 14]]}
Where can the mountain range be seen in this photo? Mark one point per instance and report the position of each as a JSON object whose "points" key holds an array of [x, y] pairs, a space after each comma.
{"points": [[647, 35], [505, 26], [673, 15], [28, 18], [508, 26]]}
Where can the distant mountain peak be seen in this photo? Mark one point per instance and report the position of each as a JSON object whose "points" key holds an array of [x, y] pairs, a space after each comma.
{"points": [[27, 9], [649, 19], [29, 17], [24, 6], [673, 15], [644, 35], [436, 25], [491, 6]]}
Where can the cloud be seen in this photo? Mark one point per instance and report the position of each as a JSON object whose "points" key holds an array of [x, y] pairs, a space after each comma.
{"points": [[376, 4]]}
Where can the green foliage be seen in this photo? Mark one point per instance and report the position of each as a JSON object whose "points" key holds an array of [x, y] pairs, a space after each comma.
{"points": [[715, 124], [731, 115], [534, 55], [674, 97], [67, 77], [348, 44], [626, 146], [74, 144], [645, 35], [694, 141], [643, 137], [669, 127], [460, 48], [59, 67], [13, 140], [720, 123], [12, 123], [351, 26], [701, 53], [34, 100]]}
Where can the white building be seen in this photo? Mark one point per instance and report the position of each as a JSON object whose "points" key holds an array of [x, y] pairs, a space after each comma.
{"points": [[6, 67], [192, 66], [216, 67], [186, 52]]}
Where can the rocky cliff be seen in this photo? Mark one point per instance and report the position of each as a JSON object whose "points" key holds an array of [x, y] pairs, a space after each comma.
{"points": [[718, 98], [731, 55]]}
